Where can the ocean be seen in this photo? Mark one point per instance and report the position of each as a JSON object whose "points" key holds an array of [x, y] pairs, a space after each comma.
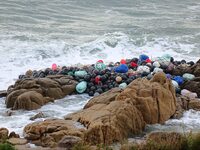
{"points": [[37, 33]]}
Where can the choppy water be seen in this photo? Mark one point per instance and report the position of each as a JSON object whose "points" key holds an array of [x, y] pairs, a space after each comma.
{"points": [[36, 33], [19, 118]]}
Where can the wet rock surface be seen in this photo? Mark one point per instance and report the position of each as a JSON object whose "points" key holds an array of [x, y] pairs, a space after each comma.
{"points": [[193, 85], [68, 142], [3, 134], [38, 115], [32, 93], [3, 93], [185, 103], [48, 133], [17, 141], [113, 118]]}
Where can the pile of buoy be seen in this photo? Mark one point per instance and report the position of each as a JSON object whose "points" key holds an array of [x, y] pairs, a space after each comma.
{"points": [[98, 78]]}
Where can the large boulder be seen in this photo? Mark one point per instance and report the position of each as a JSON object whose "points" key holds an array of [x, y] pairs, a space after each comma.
{"points": [[185, 103], [68, 142], [185, 68], [181, 69], [195, 69], [116, 114], [181, 105], [192, 85], [165, 140], [194, 104], [109, 123], [155, 99], [17, 141], [3, 134], [126, 112], [33, 93], [48, 133]]}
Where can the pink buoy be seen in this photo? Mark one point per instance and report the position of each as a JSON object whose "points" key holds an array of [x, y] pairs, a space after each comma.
{"points": [[123, 61], [100, 61], [54, 67]]}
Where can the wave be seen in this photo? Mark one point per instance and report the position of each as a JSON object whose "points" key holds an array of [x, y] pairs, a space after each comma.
{"points": [[19, 54]]}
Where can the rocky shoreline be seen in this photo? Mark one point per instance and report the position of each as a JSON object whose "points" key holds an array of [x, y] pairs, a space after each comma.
{"points": [[148, 92]]}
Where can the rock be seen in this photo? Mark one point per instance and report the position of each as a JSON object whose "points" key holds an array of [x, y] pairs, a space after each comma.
{"points": [[186, 68], [106, 123], [29, 73], [192, 85], [185, 103], [112, 116], [38, 115], [9, 113], [112, 119], [180, 70], [68, 142], [165, 139], [181, 105], [29, 100], [17, 141], [152, 97], [49, 132], [3, 134], [28, 147], [104, 98], [33, 93], [3, 93], [195, 69], [13, 135], [194, 104]]}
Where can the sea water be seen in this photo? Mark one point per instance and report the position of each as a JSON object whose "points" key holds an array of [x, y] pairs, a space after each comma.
{"points": [[37, 33]]}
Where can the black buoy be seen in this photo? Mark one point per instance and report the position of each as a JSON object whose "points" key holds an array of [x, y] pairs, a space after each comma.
{"points": [[87, 90], [91, 93], [90, 84], [46, 71], [115, 85], [76, 78], [41, 74], [171, 59], [191, 63], [87, 77], [144, 74], [106, 89], [92, 88], [99, 90], [21, 76], [103, 78], [110, 86], [183, 61], [128, 81]]}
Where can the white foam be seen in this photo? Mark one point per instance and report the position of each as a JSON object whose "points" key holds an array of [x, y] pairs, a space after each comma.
{"points": [[20, 118], [18, 56], [189, 122]]}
